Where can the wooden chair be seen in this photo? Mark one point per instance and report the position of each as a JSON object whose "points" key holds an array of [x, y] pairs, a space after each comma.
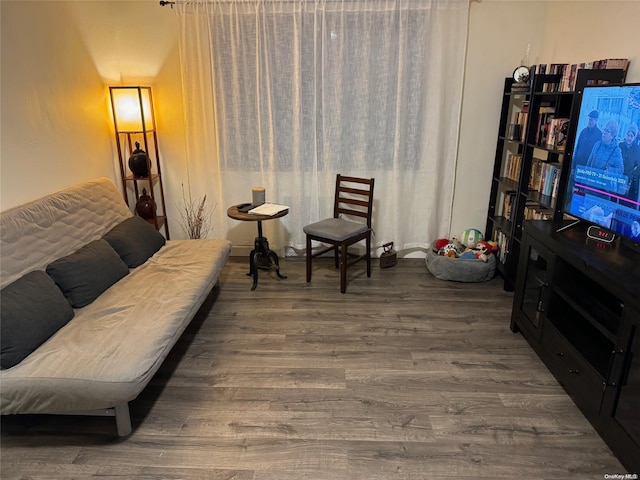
{"points": [[354, 199]]}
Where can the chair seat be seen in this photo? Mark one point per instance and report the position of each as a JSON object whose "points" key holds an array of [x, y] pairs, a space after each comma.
{"points": [[336, 229]]}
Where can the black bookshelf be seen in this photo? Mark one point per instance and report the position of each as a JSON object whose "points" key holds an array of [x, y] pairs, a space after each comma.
{"points": [[531, 163]]}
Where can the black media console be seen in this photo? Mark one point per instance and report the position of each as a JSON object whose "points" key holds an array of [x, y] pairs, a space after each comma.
{"points": [[577, 302]]}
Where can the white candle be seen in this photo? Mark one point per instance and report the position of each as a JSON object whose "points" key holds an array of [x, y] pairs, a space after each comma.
{"points": [[257, 196]]}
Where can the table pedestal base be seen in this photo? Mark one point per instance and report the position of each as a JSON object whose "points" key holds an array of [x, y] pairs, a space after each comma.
{"points": [[262, 257]]}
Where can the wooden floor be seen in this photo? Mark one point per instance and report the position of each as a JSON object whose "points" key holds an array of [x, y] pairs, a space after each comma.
{"points": [[404, 377]]}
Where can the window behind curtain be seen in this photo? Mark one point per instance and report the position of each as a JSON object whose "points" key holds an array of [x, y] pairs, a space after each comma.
{"points": [[327, 83], [298, 91]]}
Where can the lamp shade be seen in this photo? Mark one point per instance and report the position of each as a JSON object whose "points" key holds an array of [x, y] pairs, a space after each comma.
{"points": [[132, 109]]}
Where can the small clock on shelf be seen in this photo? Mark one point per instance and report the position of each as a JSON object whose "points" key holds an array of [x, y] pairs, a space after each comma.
{"points": [[521, 76]]}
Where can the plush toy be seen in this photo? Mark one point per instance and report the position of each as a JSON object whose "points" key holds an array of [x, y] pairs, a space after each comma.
{"points": [[470, 237], [450, 250], [482, 250], [493, 246], [479, 252], [458, 244], [468, 254], [438, 244], [486, 246]]}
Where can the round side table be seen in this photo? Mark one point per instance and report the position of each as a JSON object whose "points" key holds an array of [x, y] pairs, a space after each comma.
{"points": [[261, 257]]}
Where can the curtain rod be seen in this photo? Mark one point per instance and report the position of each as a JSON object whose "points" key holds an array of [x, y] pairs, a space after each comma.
{"points": [[164, 3]]}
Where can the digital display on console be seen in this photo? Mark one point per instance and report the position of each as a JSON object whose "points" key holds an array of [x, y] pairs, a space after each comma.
{"points": [[605, 164]]}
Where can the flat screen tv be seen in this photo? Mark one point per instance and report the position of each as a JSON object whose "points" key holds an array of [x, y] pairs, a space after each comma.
{"points": [[602, 186]]}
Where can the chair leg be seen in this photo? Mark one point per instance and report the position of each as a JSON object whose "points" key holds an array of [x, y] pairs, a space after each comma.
{"points": [[343, 269], [336, 256], [368, 242], [308, 259]]}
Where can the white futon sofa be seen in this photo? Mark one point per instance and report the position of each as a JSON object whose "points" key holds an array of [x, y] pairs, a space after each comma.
{"points": [[87, 318]]}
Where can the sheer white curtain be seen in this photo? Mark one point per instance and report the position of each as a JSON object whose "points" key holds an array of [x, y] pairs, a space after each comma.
{"points": [[285, 94]]}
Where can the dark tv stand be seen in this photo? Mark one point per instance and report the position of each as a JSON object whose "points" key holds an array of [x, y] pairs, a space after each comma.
{"points": [[577, 302]]}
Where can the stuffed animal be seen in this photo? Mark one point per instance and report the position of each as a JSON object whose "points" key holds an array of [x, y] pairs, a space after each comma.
{"points": [[493, 245], [468, 254], [479, 252], [450, 250], [482, 251], [458, 244], [487, 246], [470, 237], [438, 244]]}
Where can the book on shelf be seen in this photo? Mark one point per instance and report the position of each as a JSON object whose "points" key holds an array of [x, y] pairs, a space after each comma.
{"points": [[520, 118], [557, 68], [544, 178], [503, 245], [512, 166], [569, 72], [509, 204], [552, 182], [269, 209], [611, 63], [554, 69], [545, 114], [524, 117], [536, 172], [520, 87], [556, 183], [548, 176], [557, 136], [536, 212]]}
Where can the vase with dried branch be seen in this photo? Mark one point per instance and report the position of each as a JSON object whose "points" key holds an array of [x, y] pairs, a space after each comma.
{"points": [[196, 216]]}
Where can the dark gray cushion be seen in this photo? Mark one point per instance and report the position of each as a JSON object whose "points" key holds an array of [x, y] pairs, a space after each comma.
{"points": [[335, 229], [135, 240], [85, 274], [31, 310]]}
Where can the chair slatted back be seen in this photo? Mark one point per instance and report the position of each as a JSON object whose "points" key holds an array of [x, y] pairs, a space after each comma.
{"points": [[354, 197]]}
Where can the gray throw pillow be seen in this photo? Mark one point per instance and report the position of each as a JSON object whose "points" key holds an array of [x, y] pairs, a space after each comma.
{"points": [[85, 274], [32, 309], [135, 240]]}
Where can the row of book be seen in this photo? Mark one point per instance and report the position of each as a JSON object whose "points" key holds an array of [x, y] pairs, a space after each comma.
{"points": [[503, 245], [557, 131], [520, 118], [507, 205], [512, 166], [535, 212], [569, 72], [551, 132], [544, 178]]}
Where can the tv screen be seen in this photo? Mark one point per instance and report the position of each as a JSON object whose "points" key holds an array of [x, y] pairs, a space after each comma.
{"points": [[603, 182]]}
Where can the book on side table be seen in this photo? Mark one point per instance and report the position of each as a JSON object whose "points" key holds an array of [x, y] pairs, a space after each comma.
{"points": [[268, 209]]}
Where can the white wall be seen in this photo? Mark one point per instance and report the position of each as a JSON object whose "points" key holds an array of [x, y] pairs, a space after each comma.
{"points": [[54, 118], [498, 38], [59, 57]]}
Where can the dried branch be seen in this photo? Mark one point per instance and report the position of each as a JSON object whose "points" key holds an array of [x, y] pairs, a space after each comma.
{"points": [[196, 216]]}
